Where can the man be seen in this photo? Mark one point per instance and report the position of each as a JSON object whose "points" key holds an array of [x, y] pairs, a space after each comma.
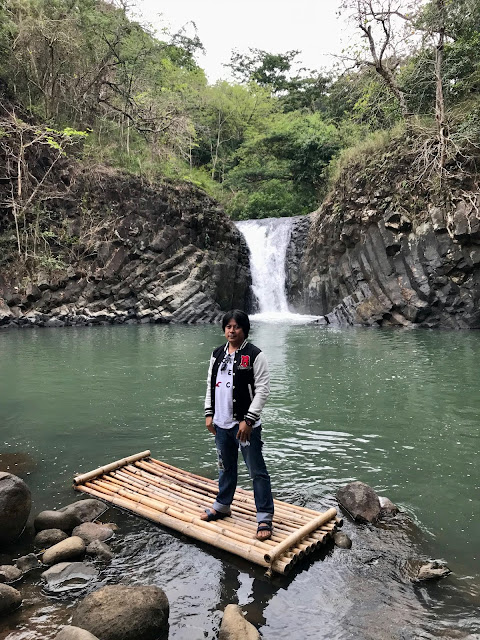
{"points": [[238, 385]]}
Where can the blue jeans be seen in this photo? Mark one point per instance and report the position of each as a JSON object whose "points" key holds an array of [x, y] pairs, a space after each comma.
{"points": [[227, 450]]}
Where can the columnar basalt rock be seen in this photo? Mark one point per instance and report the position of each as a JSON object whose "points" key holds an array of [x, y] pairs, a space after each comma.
{"points": [[139, 253], [380, 254]]}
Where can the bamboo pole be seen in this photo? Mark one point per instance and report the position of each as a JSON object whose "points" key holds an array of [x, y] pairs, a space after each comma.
{"points": [[162, 489], [239, 490], [124, 474], [298, 535], [243, 551], [248, 502], [183, 514], [109, 467], [230, 530]]}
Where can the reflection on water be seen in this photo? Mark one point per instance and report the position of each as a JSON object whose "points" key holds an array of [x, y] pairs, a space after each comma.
{"points": [[396, 409]]}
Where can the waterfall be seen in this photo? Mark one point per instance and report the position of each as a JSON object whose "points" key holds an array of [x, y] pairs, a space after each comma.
{"points": [[267, 240]]}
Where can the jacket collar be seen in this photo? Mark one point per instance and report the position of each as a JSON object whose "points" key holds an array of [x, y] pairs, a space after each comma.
{"points": [[242, 346]]}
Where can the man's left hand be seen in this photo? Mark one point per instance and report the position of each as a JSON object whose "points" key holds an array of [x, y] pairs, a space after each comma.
{"points": [[244, 432]]}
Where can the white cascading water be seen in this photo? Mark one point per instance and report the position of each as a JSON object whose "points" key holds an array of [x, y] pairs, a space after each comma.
{"points": [[267, 240]]}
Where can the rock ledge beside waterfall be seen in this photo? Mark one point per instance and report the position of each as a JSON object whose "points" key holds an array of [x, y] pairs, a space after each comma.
{"points": [[138, 253], [383, 250]]}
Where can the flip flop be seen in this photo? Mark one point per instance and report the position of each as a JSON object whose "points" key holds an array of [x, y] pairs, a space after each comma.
{"points": [[215, 515], [264, 526]]}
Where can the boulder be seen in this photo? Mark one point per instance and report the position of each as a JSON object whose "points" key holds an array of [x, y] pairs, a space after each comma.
{"points": [[9, 573], [28, 562], [360, 501], [99, 549], [10, 599], [49, 537], [90, 531], [63, 520], [235, 627], [105, 614], [85, 510], [74, 633], [342, 541], [15, 504], [67, 576], [68, 549]]}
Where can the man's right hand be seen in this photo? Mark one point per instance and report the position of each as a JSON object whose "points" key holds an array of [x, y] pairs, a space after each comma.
{"points": [[209, 424]]}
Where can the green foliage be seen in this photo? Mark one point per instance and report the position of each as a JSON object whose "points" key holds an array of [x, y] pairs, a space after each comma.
{"points": [[289, 157], [266, 145]]}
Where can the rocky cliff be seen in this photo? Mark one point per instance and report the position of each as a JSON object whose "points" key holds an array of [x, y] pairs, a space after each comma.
{"points": [[123, 251], [384, 249]]}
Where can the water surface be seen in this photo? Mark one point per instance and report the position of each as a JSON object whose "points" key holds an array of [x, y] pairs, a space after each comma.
{"points": [[396, 409]]}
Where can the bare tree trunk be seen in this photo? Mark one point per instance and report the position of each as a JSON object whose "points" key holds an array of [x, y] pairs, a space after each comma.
{"points": [[439, 97]]}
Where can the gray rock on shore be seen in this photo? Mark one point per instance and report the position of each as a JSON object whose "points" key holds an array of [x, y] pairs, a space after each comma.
{"points": [[68, 549], [63, 520], [235, 627], [48, 537], [360, 501], [66, 576], [71, 516], [15, 504], [90, 531], [10, 599], [74, 633], [105, 614], [86, 510], [9, 573]]}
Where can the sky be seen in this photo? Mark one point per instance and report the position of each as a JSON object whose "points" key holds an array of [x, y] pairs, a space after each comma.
{"points": [[276, 26]]}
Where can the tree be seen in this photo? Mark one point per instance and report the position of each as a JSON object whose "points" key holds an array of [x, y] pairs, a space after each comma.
{"points": [[288, 157], [30, 155], [294, 86], [382, 23]]}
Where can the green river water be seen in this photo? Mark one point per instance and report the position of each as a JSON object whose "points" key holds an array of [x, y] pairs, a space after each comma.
{"points": [[398, 410]]}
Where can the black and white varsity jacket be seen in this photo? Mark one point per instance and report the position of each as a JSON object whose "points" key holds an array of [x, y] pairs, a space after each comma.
{"points": [[250, 385]]}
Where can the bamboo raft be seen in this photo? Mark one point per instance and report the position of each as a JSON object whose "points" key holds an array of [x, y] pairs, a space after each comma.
{"points": [[175, 498]]}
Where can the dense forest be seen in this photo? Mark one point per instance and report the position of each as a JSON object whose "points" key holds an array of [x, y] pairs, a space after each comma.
{"points": [[85, 79]]}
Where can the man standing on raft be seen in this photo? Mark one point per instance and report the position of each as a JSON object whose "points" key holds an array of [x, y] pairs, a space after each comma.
{"points": [[238, 385]]}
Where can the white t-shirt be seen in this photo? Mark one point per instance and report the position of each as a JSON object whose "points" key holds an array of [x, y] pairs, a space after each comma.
{"points": [[223, 417]]}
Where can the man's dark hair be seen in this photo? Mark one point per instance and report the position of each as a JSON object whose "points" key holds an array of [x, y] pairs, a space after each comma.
{"points": [[240, 318]]}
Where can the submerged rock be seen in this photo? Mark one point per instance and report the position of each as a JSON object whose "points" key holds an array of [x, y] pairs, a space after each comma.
{"points": [[49, 537], [66, 576], [89, 531], [28, 562], [235, 627], [68, 549], [15, 504], [342, 541], [120, 612], [10, 599], [360, 501], [99, 549], [74, 633], [387, 507], [434, 570]]}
